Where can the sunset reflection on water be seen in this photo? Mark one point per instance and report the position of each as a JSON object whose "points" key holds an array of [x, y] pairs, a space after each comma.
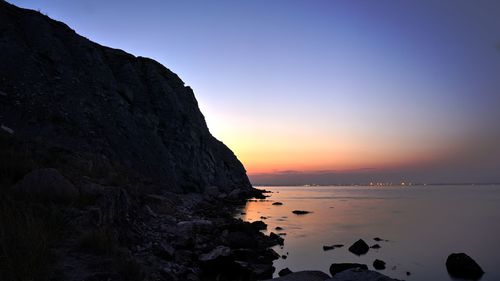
{"points": [[423, 225]]}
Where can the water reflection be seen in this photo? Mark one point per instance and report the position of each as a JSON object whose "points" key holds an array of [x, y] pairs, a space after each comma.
{"points": [[423, 225]]}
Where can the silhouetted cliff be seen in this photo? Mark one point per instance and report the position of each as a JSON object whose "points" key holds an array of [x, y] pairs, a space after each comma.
{"points": [[62, 90]]}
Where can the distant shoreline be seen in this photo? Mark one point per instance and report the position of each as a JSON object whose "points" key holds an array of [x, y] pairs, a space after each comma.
{"points": [[368, 185]]}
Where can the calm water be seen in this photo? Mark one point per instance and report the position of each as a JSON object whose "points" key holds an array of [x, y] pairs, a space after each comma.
{"points": [[423, 224]]}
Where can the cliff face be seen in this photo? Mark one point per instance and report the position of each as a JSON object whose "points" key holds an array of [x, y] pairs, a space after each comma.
{"points": [[61, 89]]}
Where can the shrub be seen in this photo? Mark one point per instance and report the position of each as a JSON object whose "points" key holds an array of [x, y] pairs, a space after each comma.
{"points": [[26, 234]]}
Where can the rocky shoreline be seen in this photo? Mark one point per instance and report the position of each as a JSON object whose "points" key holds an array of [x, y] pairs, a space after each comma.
{"points": [[114, 233]]}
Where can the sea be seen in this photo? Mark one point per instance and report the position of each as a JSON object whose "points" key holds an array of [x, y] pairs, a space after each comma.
{"points": [[420, 225]]}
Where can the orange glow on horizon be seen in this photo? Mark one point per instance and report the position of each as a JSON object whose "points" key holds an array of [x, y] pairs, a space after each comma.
{"points": [[303, 147]]}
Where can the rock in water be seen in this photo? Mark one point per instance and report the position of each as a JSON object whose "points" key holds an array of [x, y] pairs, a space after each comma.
{"points": [[359, 248], [339, 267], [328, 248], [379, 264], [462, 266], [72, 94], [303, 276], [300, 212]]}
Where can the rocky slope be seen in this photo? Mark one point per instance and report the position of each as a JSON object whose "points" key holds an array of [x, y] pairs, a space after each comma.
{"points": [[63, 91]]}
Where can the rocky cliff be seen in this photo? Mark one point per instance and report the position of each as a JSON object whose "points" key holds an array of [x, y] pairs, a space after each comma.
{"points": [[66, 92]]}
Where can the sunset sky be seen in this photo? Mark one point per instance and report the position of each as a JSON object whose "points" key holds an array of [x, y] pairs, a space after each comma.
{"points": [[326, 91]]}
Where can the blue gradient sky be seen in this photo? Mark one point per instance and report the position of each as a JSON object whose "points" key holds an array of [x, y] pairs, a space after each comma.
{"points": [[341, 91]]}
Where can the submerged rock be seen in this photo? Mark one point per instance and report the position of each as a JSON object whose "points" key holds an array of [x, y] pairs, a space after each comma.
{"points": [[300, 212], [339, 267], [460, 265], [327, 248], [359, 247], [376, 246]]}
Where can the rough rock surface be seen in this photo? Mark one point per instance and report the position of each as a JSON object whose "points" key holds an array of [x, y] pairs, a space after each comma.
{"points": [[284, 272], [47, 184], [360, 275], [303, 276], [339, 267], [460, 265], [61, 89]]}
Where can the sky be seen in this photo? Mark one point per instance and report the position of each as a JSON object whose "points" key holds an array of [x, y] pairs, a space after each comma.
{"points": [[325, 92]]}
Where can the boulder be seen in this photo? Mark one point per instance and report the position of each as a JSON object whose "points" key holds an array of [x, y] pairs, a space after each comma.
{"points": [[259, 225], [276, 239], [163, 251], [359, 247], [358, 274], [186, 231], [277, 204], [379, 264], [246, 255], [460, 265], [46, 184], [219, 253], [284, 271], [264, 270], [339, 267], [241, 239], [303, 276]]}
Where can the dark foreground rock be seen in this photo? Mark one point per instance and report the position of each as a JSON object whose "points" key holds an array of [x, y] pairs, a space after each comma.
{"points": [[303, 276], [284, 271], [359, 247], [360, 275], [339, 267], [47, 184], [460, 265], [108, 170]]}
